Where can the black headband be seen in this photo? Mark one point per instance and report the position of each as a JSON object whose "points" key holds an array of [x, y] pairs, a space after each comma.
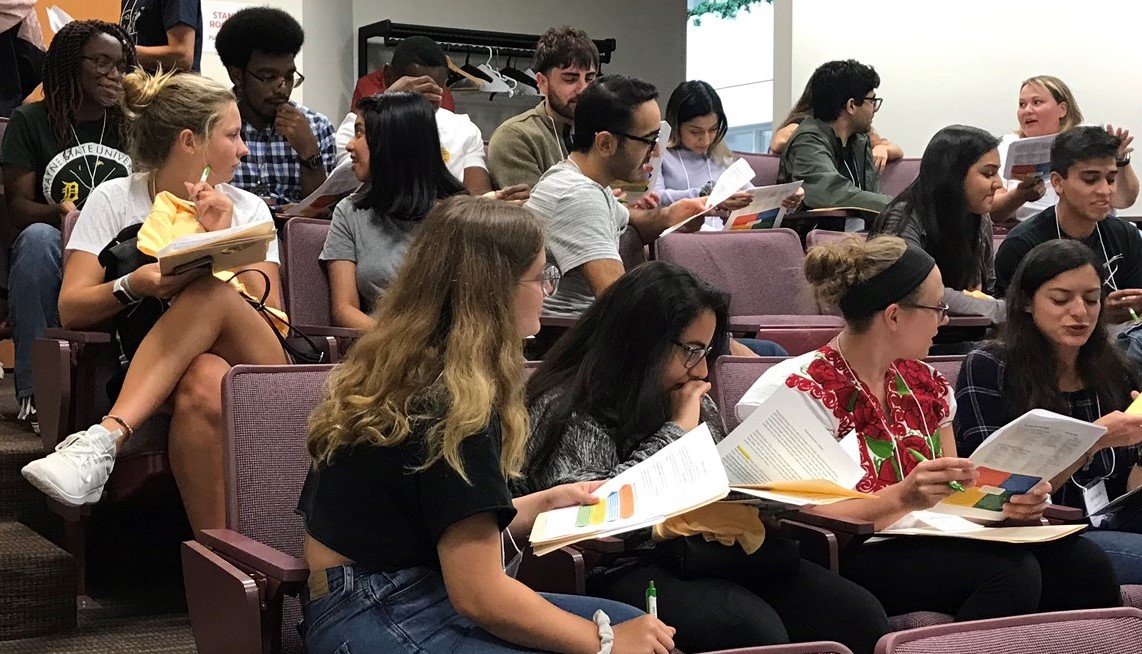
{"points": [[890, 285]]}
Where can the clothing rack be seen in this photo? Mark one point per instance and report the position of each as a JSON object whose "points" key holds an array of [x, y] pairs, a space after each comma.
{"points": [[455, 40]]}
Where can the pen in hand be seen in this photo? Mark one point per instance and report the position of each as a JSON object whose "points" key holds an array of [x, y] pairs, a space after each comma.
{"points": [[954, 485], [652, 600]]}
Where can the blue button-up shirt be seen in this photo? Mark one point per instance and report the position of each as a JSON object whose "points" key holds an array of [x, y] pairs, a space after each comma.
{"points": [[272, 169]]}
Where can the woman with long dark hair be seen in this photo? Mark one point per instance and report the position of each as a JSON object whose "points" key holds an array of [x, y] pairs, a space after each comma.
{"points": [[630, 378], [945, 212], [395, 152], [1055, 354]]}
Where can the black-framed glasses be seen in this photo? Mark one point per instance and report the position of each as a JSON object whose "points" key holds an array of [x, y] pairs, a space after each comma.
{"points": [[694, 353], [941, 309], [549, 280], [649, 141], [104, 65], [293, 80], [876, 102]]}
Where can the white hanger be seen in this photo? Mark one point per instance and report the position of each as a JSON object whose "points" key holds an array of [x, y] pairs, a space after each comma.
{"points": [[499, 83]]}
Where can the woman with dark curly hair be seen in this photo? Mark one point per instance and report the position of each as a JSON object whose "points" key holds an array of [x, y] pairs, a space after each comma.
{"points": [[896, 411]]}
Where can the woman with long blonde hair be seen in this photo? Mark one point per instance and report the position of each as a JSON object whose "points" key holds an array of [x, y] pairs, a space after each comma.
{"points": [[177, 126], [420, 429]]}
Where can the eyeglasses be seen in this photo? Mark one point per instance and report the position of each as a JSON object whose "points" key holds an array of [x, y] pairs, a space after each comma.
{"points": [[876, 102], [694, 353], [104, 65], [549, 280], [293, 80], [941, 310], [650, 141]]}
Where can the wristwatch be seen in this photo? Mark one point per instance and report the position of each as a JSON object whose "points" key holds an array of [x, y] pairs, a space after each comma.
{"points": [[1123, 162], [312, 163], [122, 291]]}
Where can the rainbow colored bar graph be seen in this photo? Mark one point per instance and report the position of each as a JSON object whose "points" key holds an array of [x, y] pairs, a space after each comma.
{"points": [[619, 504]]}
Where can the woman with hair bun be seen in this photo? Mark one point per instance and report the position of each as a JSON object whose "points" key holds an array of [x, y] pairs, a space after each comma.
{"points": [[897, 410], [177, 126]]}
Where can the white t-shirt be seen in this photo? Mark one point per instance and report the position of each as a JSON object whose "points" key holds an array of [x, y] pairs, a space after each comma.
{"points": [[461, 143], [119, 203]]}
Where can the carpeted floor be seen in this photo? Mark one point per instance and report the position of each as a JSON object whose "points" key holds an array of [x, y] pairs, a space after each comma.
{"points": [[149, 634]]}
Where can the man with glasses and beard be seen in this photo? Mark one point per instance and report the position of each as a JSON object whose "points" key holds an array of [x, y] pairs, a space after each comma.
{"points": [[830, 151], [291, 147], [616, 132]]}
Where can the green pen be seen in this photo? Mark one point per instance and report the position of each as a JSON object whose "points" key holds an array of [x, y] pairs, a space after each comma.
{"points": [[1134, 315], [652, 600], [954, 485]]}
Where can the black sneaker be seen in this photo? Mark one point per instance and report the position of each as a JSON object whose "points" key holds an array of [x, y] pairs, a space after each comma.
{"points": [[28, 413]]}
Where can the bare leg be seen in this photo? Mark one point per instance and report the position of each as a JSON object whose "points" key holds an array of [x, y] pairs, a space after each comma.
{"points": [[207, 317], [195, 444]]}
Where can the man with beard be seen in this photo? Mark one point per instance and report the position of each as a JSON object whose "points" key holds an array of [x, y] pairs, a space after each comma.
{"points": [[525, 146], [291, 147], [830, 151]]}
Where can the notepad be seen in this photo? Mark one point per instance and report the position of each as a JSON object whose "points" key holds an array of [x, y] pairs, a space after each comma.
{"points": [[223, 249]]}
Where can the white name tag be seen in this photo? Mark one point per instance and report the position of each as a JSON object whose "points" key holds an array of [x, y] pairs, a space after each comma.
{"points": [[1095, 497]]}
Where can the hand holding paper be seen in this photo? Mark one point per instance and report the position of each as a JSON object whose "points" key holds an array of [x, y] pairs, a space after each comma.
{"points": [[739, 174], [765, 210]]}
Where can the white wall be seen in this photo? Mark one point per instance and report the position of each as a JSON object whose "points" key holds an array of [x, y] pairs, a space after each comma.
{"points": [[735, 57], [650, 34], [962, 61]]}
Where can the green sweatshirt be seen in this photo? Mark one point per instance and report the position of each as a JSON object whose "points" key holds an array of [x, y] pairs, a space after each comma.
{"points": [[524, 147], [814, 156]]}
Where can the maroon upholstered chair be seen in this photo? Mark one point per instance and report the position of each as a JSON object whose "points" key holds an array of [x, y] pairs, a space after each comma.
{"points": [[794, 648], [631, 249], [764, 167], [731, 378], [760, 269], [306, 283], [1106, 631], [898, 175], [248, 575], [825, 236]]}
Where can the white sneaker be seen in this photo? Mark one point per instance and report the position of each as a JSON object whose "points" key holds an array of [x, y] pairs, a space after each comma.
{"points": [[76, 472]]}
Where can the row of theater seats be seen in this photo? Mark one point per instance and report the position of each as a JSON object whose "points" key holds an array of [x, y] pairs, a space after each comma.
{"points": [[242, 581]]}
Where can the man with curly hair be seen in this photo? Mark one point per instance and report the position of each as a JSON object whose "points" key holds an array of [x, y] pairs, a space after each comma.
{"points": [[525, 146], [291, 146]]}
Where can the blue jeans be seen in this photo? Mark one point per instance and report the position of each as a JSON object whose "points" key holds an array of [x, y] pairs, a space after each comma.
{"points": [[763, 348], [409, 611], [33, 294], [1121, 539]]}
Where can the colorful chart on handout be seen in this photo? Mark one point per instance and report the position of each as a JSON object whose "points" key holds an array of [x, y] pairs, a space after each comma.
{"points": [[619, 504], [1042, 169], [992, 490], [762, 220]]}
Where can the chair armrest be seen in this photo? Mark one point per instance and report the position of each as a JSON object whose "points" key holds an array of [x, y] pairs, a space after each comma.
{"points": [[1059, 514], [77, 336], [249, 552], [847, 526], [817, 545], [329, 330], [605, 545], [563, 322]]}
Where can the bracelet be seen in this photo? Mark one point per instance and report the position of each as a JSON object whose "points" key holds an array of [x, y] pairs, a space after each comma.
{"points": [[606, 634], [127, 431]]}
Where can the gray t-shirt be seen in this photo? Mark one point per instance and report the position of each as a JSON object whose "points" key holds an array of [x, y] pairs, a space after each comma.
{"points": [[584, 223], [377, 244]]}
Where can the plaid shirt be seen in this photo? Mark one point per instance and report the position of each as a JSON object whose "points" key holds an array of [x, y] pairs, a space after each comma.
{"points": [[983, 409], [272, 169]]}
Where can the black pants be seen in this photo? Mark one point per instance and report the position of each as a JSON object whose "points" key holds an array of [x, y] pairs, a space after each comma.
{"points": [[806, 603], [973, 580]]}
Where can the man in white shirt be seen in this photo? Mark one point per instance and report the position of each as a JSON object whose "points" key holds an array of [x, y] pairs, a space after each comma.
{"points": [[419, 66]]}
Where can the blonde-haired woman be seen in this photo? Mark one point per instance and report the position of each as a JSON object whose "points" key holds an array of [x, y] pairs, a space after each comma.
{"points": [[876, 392], [177, 125], [1047, 106], [420, 429]]}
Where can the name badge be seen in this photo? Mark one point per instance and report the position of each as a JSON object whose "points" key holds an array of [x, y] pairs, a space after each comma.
{"points": [[1095, 497]]}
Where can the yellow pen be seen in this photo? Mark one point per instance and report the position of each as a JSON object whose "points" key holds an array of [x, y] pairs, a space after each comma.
{"points": [[954, 485]]}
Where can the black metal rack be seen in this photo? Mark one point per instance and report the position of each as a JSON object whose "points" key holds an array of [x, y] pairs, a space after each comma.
{"points": [[463, 41]]}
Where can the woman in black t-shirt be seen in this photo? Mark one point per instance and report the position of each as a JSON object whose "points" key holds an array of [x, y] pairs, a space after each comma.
{"points": [[421, 427]]}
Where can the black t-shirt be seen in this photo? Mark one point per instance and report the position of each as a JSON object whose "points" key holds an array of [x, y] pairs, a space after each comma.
{"points": [[1122, 240], [371, 505], [147, 22]]}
